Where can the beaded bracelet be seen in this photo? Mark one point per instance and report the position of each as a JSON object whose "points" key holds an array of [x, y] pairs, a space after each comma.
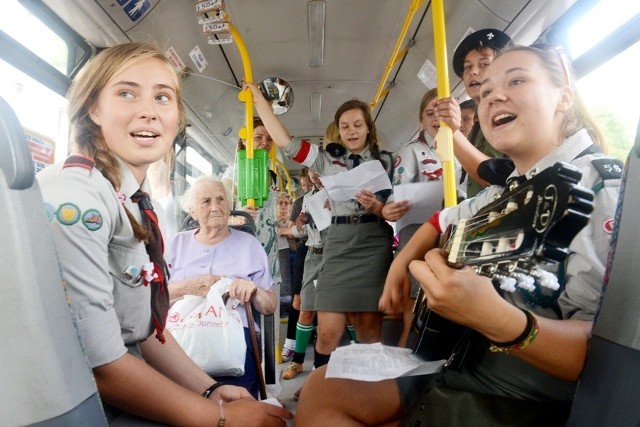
{"points": [[208, 392], [524, 340]]}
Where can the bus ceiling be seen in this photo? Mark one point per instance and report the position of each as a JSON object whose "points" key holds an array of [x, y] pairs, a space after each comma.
{"points": [[325, 68]]}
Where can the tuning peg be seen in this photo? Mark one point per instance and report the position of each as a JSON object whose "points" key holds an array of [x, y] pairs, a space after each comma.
{"points": [[546, 279], [524, 281], [505, 283]]}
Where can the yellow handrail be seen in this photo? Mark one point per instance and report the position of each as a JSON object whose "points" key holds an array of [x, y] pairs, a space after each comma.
{"points": [[396, 55], [444, 137], [246, 97]]}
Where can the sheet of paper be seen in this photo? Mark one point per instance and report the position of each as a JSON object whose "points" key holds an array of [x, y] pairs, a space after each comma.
{"points": [[425, 198], [375, 362], [343, 186], [283, 243], [319, 208]]}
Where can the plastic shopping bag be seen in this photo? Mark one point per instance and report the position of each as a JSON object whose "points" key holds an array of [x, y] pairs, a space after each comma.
{"points": [[209, 332]]}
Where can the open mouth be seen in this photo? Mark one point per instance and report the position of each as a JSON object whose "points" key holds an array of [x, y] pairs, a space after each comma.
{"points": [[144, 135], [502, 119]]}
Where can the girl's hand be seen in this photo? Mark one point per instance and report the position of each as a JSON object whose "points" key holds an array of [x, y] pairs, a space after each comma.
{"points": [[367, 199], [448, 111], [257, 93], [460, 295], [393, 211]]}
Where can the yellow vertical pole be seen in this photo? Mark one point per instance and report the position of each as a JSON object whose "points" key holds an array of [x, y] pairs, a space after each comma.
{"points": [[396, 55], [245, 96], [444, 137]]}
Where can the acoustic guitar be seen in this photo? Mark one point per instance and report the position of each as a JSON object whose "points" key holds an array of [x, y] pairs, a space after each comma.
{"points": [[513, 241]]}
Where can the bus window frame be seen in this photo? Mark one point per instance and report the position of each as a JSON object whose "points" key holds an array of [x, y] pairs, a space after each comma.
{"points": [[25, 60], [597, 55]]}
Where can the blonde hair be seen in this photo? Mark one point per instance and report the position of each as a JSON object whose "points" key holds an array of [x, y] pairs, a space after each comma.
{"points": [[86, 136], [331, 134]]}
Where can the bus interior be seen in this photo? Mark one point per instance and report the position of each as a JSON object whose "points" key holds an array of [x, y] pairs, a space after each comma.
{"points": [[327, 51]]}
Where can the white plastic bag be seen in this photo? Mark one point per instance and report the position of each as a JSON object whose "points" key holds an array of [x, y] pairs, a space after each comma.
{"points": [[210, 333]]}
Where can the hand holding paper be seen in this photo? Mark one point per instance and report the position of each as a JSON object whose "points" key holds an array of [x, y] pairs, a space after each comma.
{"points": [[369, 176]]}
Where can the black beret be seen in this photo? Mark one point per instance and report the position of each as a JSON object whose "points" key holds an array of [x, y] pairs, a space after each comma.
{"points": [[489, 37]]}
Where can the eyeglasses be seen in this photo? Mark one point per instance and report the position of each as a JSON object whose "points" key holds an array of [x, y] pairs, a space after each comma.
{"points": [[562, 57]]}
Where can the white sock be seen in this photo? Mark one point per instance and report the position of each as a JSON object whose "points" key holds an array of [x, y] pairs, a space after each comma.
{"points": [[290, 344]]}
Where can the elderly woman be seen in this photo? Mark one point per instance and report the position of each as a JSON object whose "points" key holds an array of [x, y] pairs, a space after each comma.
{"points": [[202, 256]]}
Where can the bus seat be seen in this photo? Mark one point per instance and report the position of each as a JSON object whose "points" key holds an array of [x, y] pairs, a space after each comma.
{"points": [[46, 379], [607, 394]]}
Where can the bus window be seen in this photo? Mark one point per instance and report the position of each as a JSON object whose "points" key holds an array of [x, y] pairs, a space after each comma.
{"points": [[37, 29], [609, 90], [38, 108], [198, 165], [39, 56], [614, 99]]}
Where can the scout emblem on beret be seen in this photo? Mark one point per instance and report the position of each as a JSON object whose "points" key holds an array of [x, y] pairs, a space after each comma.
{"points": [[488, 37], [335, 149]]}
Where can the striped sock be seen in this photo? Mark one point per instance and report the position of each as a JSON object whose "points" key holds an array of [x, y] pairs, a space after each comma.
{"points": [[303, 333]]}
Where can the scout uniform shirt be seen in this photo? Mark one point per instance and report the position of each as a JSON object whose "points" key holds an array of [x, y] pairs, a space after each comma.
{"points": [[100, 258], [582, 275], [419, 162], [310, 155]]}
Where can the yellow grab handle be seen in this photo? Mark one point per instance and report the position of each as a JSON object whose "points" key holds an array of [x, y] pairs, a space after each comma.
{"points": [[245, 96]]}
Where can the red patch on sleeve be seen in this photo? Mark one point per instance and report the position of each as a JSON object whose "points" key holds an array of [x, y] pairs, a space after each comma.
{"points": [[305, 147]]}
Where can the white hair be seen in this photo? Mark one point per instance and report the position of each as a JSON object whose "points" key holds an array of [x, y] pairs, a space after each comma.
{"points": [[188, 201]]}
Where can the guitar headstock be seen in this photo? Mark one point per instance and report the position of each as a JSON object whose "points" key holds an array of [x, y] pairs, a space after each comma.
{"points": [[531, 224]]}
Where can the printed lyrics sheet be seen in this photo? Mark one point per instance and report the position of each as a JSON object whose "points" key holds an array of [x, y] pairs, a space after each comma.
{"points": [[375, 362]]}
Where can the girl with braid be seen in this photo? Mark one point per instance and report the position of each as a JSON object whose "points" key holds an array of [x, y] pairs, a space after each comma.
{"points": [[125, 110], [357, 251]]}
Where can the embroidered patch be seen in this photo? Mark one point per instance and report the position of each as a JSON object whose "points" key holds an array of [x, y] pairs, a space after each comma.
{"points": [[608, 168], [608, 226], [338, 162], [49, 210], [132, 273], [92, 219], [68, 214]]}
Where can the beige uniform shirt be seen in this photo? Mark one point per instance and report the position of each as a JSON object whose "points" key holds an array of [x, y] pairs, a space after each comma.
{"points": [[100, 259]]}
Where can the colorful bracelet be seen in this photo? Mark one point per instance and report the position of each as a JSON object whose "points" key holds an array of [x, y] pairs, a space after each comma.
{"points": [[524, 340], [208, 392]]}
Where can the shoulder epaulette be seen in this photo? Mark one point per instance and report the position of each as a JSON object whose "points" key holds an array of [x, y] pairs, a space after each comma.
{"points": [[78, 161], [608, 168]]}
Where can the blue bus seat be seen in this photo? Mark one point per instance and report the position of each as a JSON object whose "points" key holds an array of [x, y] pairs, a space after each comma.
{"points": [[46, 379]]}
